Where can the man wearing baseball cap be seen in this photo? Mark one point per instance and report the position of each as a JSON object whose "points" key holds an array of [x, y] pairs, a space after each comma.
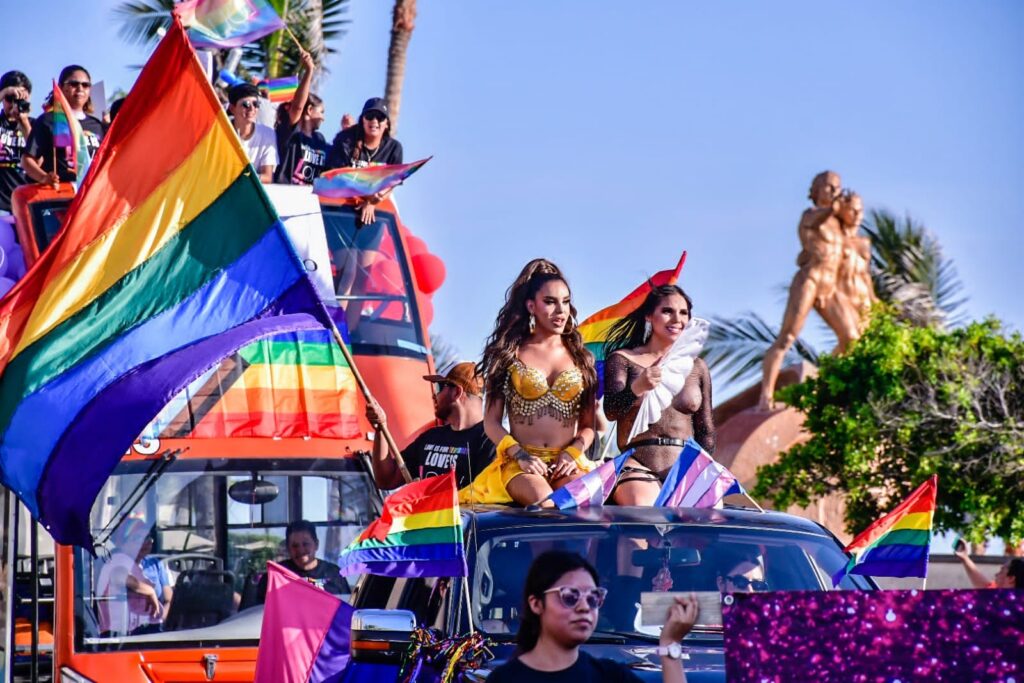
{"points": [[460, 443]]}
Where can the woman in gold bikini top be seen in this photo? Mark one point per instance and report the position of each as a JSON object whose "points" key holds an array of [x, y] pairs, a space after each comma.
{"points": [[537, 370]]}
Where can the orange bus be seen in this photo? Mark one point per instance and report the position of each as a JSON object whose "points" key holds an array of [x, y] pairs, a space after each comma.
{"points": [[216, 480]]}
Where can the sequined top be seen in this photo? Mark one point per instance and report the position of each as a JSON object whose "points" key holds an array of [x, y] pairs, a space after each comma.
{"points": [[527, 393]]}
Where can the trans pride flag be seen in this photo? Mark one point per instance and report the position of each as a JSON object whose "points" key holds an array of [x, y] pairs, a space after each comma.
{"points": [[696, 481], [67, 133], [595, 328], [348, 183], [593, 488], [418, 534], [227, 23], [171, 258], [897, 544]]}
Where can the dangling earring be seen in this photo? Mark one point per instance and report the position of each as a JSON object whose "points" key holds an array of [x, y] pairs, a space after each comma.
{"points": [[647, 330], [532, 323]]}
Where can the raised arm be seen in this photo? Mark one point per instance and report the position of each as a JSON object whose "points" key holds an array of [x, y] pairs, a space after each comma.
{"points": [[298, 104], [703, 419]]}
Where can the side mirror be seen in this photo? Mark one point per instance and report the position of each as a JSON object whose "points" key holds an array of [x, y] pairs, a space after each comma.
{"points": [[381, 635]]}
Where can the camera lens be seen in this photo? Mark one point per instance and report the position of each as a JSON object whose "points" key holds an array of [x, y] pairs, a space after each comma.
{"points": [[23, 105]]}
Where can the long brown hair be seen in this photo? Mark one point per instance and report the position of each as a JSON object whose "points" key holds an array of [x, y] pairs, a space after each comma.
{"points": [[513, 328], [630, 332]]}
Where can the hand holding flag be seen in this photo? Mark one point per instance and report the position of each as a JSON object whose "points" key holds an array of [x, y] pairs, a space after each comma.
{"points": [[593, 488], [349, 183]]}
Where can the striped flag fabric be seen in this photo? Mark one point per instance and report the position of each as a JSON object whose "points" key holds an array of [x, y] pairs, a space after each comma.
{"points": [[696, 481], [898, 543], [593, 488], [227, 23], [418, 534], [171, 258], [281, 89], [68, 133], [305, 633], [349, 183], [594, 329]]}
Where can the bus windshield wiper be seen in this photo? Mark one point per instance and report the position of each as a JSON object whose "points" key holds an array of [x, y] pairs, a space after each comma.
{"points": [[145, 484]]}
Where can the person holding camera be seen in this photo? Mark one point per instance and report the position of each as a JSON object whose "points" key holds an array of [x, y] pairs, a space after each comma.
{"points": [[15, 128]]}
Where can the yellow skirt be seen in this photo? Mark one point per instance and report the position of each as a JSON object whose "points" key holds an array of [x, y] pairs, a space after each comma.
{"points": [[490, 486]]}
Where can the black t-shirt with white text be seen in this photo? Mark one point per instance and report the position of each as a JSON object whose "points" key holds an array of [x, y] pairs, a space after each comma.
{"points": [[40, 144], [12, 145], [587, 669], [438, 450], [325, 575], [303, 157], [343, 149]]}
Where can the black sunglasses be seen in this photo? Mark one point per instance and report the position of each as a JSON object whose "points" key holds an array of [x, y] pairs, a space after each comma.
{"points": [[742, 582], [375, 116], [249, 104], [78, 84], [570, 596], [441, 386]]}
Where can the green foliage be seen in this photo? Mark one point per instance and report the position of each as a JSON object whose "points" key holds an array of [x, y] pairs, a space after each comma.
{"points": [[904, 403]]}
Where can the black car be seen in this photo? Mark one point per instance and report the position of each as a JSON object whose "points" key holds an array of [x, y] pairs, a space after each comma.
{"points": [[635, 550]]}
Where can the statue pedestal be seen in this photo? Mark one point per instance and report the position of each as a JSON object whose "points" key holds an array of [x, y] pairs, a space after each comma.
{"points": [[749, 438]]}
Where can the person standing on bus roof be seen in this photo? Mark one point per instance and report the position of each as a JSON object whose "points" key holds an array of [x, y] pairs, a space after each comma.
{"points": [[300, 144], [460, 443], [15, 128], [257, 139]]}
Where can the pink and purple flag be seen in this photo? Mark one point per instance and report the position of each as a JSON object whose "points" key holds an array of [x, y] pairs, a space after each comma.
{"points": [[227, 23], [305, 633], [696, 481], [593, 488], [348, 183], [68, 133]]}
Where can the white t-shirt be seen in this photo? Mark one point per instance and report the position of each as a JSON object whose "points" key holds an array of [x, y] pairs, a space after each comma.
{"points": [[262, 147], [120, 609]]}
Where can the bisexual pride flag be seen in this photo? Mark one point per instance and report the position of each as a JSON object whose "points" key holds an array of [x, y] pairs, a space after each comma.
{"points": [[419, 533], [227, 23], [593, 488], [348, 183], [696, 481]]}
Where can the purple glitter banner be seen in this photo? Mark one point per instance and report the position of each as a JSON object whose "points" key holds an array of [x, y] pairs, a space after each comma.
{"points": [[875, 636]]}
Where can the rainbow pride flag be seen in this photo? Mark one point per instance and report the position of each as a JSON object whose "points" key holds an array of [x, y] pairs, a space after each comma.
{"points": [[593, 488], [418, 534], [281, 89], [227, 23], [171, 258], [347, 183], [897, 544], [595, 328], [68, 133], [696, 480]]}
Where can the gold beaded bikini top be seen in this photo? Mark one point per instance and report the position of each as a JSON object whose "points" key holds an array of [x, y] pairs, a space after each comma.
{"points": [[527, 393]]}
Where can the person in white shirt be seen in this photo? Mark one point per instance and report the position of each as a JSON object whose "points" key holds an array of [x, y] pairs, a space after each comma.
{"points": [[258, 140], [128, 601]]}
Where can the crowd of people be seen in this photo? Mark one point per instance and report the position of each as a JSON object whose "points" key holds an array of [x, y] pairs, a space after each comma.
{"points": [[291, 152]]}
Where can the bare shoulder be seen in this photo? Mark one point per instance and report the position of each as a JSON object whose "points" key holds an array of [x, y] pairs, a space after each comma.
{"points": [[700, 367]]}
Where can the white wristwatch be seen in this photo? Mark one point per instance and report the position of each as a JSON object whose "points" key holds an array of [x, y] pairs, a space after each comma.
{"points": [[672, 651]]}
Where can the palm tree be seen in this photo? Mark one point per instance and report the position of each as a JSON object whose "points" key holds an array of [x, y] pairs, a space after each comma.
{"points": [[909, 272], [316, 23], [403, 21]]}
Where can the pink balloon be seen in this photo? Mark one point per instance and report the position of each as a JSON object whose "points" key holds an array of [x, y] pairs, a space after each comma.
{"points": [[384, 277], [430, 272]]}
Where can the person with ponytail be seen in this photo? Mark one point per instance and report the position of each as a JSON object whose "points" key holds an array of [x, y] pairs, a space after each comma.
{"points": [[562, 601], [633, 350], [536, 369]]}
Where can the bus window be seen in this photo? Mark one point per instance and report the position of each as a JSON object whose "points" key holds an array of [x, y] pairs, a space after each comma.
{"points": [[372, 283]]}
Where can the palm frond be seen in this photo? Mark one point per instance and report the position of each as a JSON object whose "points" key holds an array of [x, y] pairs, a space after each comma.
{"points": [[142, 20], [318, 25], [738, 345]]}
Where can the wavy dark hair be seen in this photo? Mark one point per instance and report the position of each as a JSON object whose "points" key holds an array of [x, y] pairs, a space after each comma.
{"points": [[513, 328], [628, 333], [545, 571]]}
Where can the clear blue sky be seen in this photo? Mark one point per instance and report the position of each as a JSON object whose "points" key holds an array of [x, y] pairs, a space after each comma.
{"points": [[611, 136]]}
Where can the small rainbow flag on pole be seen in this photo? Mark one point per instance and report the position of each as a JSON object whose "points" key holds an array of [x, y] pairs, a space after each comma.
{"points": [[227, 23], [418, 534], [696, 480], [281, 89], [348, 183], [897, 544], [595, 328], [67, 133], [593, 488]]}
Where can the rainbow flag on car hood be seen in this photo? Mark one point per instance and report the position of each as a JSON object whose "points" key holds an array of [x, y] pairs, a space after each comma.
{"points": [[595, 328], [348, 183], [897, 544], [227, 23], [418, 534], [171, 258]]}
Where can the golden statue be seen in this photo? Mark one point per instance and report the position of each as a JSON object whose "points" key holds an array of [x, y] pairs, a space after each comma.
{"points": [[834, 276]]}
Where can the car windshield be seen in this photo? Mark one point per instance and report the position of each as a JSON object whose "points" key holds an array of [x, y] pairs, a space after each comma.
{"points": [[200, 536], [372, 283], [633, 559]]}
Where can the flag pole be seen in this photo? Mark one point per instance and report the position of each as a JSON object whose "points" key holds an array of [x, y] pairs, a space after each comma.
{"points": [[381, 429], [294, 39], [469, 604], [747, 496]]}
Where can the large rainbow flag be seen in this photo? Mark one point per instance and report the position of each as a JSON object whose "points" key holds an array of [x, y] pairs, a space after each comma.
{"points": [[897, 544], [170, 259], [418, 534], [67, 133], [227, 23], [346, 183], [595, 328]]}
